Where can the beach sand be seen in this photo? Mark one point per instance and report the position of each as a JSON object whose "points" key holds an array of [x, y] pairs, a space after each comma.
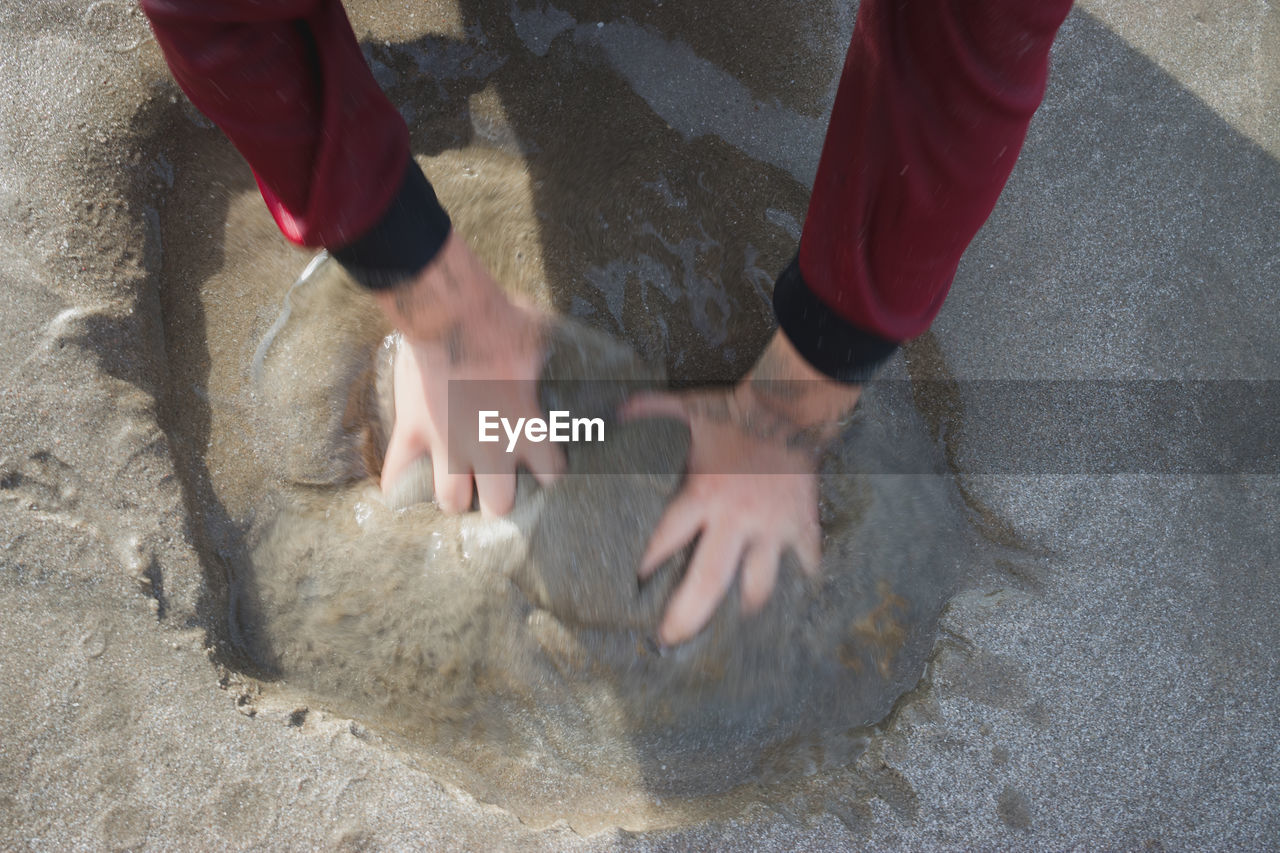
{"points": [[1110, 682]]}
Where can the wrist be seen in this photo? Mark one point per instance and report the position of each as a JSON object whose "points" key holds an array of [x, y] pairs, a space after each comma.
{"points": [[453, 293], [783, 383]]}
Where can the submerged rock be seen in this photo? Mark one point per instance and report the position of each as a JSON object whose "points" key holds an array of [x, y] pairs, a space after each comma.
{"points": [[519, 652]]}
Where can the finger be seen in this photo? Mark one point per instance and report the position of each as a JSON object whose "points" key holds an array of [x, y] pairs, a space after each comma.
{"points": [[403, 448], [497, 493], [709, 577], [453, 490], [808, 548], [545, 461], [679, 524], [648, 404], [759, 575]]}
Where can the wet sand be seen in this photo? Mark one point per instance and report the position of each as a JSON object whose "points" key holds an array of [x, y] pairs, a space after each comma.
{"points": [[517, 657], [1116, 690]]}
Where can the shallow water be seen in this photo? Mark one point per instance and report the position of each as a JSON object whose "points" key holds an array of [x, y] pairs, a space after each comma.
{"points": [[519, 652], [463, 639]]}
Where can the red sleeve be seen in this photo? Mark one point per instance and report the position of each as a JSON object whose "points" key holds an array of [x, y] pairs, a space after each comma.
{"points": [[285, 80], [932, 109]]}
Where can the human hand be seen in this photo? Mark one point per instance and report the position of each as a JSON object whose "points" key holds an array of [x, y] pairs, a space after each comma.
{"points": [[456, 326], [751, 485]]}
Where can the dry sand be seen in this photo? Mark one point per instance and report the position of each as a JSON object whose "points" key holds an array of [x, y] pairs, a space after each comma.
{"points": [[1119, 693]]}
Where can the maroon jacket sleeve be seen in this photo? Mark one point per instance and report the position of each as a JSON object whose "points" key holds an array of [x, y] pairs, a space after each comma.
{"points": [[931, 112], [287, 83]]}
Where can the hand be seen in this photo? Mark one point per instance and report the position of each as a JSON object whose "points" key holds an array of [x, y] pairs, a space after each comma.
{"points": [[456, 324], [751, 485]]}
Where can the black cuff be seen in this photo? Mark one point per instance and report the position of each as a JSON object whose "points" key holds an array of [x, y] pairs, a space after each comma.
{"points": [[825, 339], [406, 239]]}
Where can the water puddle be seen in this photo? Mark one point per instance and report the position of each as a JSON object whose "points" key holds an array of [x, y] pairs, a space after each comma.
{"points": [[514, 658]]}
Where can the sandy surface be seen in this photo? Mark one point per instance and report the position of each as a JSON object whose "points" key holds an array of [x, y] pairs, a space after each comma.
{"points": [[1120, 692]]}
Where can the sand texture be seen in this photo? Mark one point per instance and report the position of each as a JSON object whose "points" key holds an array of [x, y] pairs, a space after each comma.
{"points": [[520, 652], [175, 673]]}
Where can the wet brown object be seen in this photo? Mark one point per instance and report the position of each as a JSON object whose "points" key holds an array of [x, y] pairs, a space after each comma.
{"points": [[521, 650]]}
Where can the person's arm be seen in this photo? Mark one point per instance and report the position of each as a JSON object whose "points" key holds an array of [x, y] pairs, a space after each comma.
{"points": [[286, 82], [932, 109], [288, 85], [931, 112]]}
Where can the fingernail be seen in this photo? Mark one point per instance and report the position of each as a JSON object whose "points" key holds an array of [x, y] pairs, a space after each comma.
{"points": [[668, 641], [657, 647]]}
